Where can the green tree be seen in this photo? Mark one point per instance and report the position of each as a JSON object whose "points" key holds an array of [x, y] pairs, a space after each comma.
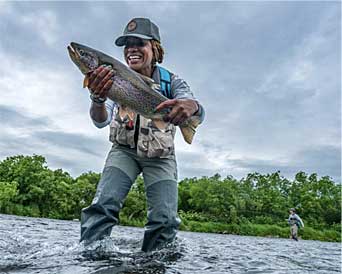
{"points": [[8, 191], [135, 204]]}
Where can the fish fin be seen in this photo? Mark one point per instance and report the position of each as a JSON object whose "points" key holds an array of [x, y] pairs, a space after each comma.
{"points": [[189, 130], [86, 81]]}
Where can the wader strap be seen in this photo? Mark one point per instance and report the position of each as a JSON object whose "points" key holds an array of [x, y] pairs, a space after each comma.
{"points": [[137, 129], [165, 82]]}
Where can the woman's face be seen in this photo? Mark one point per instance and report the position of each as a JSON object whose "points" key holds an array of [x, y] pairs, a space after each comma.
{"points": [[138, 55]]}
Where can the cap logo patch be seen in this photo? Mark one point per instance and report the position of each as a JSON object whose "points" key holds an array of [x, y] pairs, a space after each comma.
{"points": [[131, 26]]}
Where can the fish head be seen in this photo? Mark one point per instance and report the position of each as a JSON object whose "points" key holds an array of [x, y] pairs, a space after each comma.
{"points": [[85, 58]]}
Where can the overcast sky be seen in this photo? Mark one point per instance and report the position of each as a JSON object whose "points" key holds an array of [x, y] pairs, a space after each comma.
{"points": [[267, 73]]}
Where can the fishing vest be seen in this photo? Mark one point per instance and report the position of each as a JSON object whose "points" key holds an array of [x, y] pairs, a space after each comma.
{"points": [[151, 138], [294, 221]]}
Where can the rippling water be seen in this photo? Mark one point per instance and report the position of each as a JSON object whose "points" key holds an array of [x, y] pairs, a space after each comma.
{"points": [[34, 245]]}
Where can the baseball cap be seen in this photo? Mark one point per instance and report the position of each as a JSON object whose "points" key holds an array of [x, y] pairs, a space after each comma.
{"points": [[141, 28]]}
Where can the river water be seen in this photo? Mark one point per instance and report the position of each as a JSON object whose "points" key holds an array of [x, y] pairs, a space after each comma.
{"points": [[36, 245]]}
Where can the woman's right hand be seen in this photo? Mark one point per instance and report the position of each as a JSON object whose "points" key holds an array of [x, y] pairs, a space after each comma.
{"points": [[100, 81]]}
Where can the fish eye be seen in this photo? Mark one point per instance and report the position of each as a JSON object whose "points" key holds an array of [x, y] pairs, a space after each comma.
{"points": [[81, 52]]}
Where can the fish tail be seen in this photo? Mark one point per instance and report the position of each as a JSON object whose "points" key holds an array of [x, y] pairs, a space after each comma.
{"points": [[189, 129]]}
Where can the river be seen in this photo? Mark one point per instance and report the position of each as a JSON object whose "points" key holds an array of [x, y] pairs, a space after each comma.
{"points": [[46, 246]]}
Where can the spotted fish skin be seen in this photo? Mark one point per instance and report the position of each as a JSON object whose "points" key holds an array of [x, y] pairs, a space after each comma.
{"points": [[141, 102], [129, 88]]}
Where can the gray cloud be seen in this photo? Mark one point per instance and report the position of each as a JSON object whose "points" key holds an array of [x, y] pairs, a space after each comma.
{"points": [[321, 160], [70, 141], [13, 117], [24, 134], [324, 160]]}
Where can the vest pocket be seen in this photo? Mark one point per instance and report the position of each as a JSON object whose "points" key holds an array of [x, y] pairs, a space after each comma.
{"points": [[119, 132], [156, 143]]}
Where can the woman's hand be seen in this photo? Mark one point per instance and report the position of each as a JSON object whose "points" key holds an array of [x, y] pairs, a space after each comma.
{"points": [[181, 109], [100, 82]]}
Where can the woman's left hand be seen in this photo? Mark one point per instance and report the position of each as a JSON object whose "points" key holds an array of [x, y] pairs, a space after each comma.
{"points": [[181, 109]]}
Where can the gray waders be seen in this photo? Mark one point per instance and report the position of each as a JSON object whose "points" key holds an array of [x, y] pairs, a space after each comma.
{"points": [[121, 169]]}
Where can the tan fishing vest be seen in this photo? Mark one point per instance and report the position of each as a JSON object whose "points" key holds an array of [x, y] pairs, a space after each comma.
{"points": [[155, 137]]}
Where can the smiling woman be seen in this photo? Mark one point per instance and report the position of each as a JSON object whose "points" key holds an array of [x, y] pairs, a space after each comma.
{"points": [[139, 55], [142, 142], [135, 42]]}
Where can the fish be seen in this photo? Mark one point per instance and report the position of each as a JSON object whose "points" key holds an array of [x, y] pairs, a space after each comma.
{"points": [[130, 89]]}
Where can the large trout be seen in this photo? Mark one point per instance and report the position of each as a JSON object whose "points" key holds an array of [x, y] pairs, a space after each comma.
{"points": [[130, 89]]}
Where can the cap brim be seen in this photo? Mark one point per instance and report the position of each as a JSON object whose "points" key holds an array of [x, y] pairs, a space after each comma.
{"points": [[121, 41]]}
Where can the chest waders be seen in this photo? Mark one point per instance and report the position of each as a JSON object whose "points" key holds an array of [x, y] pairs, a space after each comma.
{"points": [[122, 167]]}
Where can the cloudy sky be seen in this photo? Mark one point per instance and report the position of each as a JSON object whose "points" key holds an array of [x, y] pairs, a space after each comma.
{"points": [[267, 73]]}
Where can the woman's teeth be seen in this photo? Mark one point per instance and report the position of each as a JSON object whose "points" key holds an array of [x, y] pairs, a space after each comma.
{"points": [[134, 57]]}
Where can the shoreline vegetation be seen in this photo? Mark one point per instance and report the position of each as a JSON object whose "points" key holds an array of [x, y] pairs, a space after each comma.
{"points": [[256, 205]]}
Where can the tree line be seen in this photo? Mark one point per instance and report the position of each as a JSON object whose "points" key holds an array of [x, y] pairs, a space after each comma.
{"points": [[28, 187]]}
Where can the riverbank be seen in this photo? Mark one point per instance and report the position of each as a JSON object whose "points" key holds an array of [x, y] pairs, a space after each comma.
{"points": [[307, 233], [249, 229]]}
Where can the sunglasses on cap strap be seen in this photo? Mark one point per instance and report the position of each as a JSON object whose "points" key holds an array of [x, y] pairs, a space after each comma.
{"points": [[135, 42]]}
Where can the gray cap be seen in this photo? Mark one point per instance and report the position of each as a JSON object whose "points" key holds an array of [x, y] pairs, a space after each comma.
{"points": [[141, 28]]}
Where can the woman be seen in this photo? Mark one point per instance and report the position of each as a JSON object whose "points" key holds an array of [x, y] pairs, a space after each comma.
{"points": [[140, 145]]}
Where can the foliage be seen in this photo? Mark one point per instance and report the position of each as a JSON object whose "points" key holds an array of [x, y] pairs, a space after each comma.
{"points": [[255, 205], [263, 199], [135, 204]]}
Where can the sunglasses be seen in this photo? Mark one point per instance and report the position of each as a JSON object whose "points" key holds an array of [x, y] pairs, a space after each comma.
{"points": [[132, 42]]}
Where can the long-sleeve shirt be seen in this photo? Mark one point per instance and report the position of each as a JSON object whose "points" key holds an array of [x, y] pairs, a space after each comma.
{"points": [[179, 89], [295, 219]]}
